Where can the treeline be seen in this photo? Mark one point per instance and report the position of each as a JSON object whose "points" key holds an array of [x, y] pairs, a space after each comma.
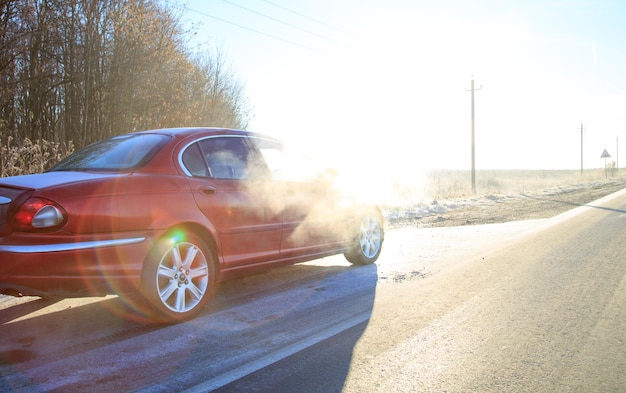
{"points": [[82, 70]]}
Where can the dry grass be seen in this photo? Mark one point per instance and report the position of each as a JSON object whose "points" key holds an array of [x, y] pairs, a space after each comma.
{"points": [[30, 157], [449, 184]]}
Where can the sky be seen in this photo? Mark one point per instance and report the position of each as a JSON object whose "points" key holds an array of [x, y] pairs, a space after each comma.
{"points": [[388, 82]]}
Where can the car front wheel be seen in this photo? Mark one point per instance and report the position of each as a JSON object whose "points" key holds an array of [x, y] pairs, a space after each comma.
{"points": [[368, 240], [178, 278]]}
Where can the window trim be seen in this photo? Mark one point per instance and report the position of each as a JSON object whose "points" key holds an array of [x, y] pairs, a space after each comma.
{"points": [[254, 154]]}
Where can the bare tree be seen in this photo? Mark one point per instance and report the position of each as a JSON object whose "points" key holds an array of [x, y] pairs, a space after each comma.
{"points": [[81, 70]]}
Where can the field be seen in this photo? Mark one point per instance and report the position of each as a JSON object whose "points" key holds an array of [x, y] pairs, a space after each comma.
{"points": [[445, 198], [446, 184]]}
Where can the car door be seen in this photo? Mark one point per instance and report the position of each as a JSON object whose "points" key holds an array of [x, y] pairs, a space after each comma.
{"points": [[230, 194], [312, 219]]}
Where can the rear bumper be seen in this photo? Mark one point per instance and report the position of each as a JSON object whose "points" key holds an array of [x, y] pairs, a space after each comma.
{"points": [[71, 265]]}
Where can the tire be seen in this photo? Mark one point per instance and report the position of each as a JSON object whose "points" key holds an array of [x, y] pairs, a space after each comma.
{"points": [[368, 239], [178, 278]]}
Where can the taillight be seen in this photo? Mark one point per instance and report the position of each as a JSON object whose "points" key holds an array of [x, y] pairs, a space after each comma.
{"points": [[38, 213]]}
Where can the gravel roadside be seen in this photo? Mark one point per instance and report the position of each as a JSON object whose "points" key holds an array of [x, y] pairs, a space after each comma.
{"points": [[492, 209]]}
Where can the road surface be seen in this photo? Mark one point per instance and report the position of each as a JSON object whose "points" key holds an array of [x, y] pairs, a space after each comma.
{"points": [[525, 306]]}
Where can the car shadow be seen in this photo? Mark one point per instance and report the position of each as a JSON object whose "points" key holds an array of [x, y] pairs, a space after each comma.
{"points": [[55, 328], [324, 365], [41, 332], [23, 306]]}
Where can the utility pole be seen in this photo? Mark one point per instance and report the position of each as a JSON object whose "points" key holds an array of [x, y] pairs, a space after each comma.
{"points": [[581, 148], [473, 141], [617, 154]]}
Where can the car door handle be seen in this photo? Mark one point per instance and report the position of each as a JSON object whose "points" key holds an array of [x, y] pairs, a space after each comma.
{"points": [[208, 190]]}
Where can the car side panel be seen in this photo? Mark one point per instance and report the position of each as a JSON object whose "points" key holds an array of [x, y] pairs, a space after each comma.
{"points": [[123, 203], [248, 232], [313, 223]]}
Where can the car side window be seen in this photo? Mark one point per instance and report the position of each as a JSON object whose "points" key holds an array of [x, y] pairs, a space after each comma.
{"points": [[194, 161], [285, 164], [226, 157]]}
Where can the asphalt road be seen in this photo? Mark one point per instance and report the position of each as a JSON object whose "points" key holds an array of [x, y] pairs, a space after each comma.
{"points": [[543, 314], [531, 306]]}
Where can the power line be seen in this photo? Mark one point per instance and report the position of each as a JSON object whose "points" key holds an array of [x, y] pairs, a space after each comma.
{"points": [[309, 18], [252, 30], [283, 22]]}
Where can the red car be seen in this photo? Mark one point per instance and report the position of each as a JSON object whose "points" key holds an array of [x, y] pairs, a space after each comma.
{"points": [[168, 213]]}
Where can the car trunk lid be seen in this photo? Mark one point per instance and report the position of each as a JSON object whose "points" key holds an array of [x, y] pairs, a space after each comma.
{"points": [[15, 190]]}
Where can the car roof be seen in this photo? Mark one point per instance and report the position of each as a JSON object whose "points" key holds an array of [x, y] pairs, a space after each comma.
{"points": [[183, 132]]}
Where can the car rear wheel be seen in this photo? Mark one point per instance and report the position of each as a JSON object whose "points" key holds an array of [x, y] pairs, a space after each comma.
{"points": [[368, 240], [179, 277]]}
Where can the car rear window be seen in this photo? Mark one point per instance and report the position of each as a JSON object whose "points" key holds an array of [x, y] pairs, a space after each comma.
{"points": [[120, 153]]}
